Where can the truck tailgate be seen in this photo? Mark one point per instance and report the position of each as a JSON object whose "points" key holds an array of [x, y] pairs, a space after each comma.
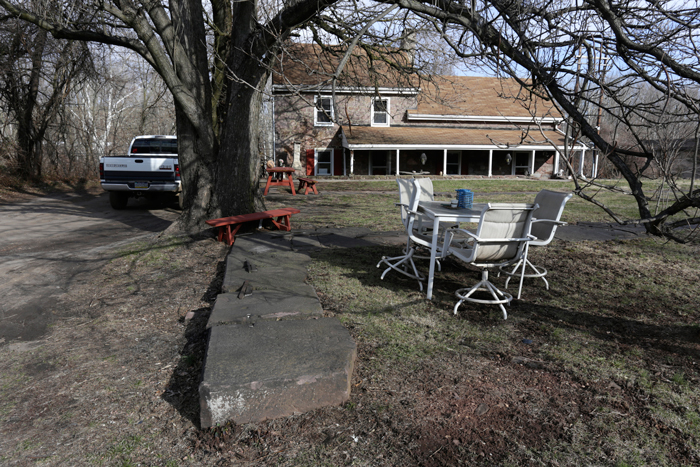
{"points": [[147, 169]]}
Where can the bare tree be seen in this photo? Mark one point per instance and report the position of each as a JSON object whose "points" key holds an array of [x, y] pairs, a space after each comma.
{"points": [[583, 55], [120, 98], [36, 75]]}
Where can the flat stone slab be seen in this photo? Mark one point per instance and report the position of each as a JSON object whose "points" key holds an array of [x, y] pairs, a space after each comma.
{"points": [[304, 243], [261, 243], [274, 269], [275, 369], [266, 258], [354, 232], [340, 241], [287, 279], [264, 305]]}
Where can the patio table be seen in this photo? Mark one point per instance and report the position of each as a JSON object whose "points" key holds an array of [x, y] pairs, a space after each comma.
{"points": [[440, 211], [271, 171]]}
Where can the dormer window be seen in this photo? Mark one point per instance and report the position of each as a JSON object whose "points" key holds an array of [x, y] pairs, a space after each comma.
{"points": [[323, 115], [380, 111]]}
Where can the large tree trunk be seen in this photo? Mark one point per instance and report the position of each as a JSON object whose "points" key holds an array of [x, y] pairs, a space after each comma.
{"points": [[219, 178], [197, 145], [239, 164], [196, 158]]}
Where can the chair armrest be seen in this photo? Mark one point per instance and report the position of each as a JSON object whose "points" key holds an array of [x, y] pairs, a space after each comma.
{"points": [[464, 231], [491, 240], [503, 240], [449, 235], [551, 221]]}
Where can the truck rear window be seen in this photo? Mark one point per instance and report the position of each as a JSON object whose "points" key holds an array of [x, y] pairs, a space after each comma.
{"points": [[154, 146]]}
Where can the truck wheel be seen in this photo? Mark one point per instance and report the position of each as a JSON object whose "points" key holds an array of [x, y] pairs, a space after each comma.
{"points": [[118, 199]]}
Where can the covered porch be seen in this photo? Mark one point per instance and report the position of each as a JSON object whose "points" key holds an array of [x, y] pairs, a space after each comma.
{"points": [[449, 151]]}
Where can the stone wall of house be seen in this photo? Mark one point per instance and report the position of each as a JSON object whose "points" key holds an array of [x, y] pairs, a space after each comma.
{"points": [[544, 164], [294, 122], [295, 133]]}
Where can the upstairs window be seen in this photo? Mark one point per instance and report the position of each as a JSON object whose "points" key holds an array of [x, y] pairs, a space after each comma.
{"points": [[323, 116], [380, 112]]}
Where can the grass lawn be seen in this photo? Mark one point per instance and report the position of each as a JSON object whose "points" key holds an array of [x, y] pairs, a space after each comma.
{"points": [[601, 369], [339, 201]]}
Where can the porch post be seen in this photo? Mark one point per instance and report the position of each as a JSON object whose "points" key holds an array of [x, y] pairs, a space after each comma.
{"points": [[582, 158], [594, 173], [352, 162], [532, 163], [556, 162], [398, 151], [444, 162], [490, 162]]}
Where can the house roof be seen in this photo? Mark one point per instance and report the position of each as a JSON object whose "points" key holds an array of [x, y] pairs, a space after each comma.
{"points": [[445, 98], [313, 65], [473, 96], [359, 137]]}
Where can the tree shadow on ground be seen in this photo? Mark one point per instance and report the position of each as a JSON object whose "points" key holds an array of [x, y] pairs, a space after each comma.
{"points": [[604, 323], [182, 390], [676, 338]]}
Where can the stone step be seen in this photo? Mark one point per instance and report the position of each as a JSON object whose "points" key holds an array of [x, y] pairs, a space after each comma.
{"points": [[280, 277], [269, 369], [265, 305]]}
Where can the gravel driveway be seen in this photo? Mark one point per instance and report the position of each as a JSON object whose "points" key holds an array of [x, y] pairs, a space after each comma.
{"points": [[49, 243]]}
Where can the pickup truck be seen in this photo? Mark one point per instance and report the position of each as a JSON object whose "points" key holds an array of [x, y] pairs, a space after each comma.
{"points": [[150, 169]]}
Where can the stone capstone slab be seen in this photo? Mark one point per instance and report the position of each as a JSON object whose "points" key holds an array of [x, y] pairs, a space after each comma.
{"points": [[275, 268], [275, 369], [289, 279], [262, 244], [265, 305]]}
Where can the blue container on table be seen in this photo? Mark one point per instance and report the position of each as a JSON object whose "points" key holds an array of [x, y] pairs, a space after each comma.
{"points": [[465, 198]]}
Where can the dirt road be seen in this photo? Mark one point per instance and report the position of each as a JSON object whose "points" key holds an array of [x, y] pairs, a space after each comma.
{"points": [[48, 244]]}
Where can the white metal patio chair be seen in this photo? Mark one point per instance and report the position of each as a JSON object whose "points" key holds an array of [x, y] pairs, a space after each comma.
{"points": [[499, 241], [545, 220], [409, 195], [423, 223]]}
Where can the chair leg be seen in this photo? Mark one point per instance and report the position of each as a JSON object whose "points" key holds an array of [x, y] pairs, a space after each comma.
{"points": [[401, 265], [523, 264], [499, 297], [511, 273], [524, 260]]}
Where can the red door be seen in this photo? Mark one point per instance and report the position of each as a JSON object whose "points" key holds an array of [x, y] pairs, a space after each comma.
{"points": [[309, 162], [338, 162]]}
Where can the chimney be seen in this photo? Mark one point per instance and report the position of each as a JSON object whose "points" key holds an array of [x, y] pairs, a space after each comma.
{"points": [[408, 46]]}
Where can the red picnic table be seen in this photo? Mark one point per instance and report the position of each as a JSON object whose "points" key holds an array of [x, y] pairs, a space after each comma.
{"points": [[271, 171]]}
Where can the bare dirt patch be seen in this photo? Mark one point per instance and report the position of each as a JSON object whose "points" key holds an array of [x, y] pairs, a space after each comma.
{"points": [[116, 379]]}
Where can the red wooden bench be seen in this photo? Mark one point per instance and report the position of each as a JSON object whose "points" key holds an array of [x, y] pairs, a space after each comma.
{"points": [[280, 217], [306, 184]]}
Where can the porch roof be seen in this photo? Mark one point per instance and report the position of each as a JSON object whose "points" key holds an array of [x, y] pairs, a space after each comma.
{"points": [[359, 137]]}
